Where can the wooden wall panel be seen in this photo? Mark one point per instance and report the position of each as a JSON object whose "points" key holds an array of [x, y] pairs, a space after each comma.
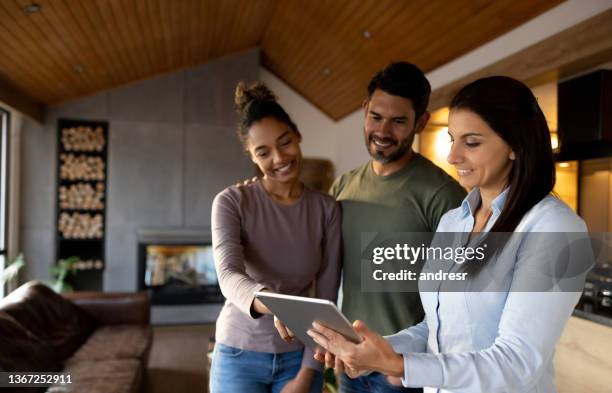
{"points": [[581, 47]]}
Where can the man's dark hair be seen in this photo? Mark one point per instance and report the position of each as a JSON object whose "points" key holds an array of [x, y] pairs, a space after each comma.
{"points": [[404, 80]]}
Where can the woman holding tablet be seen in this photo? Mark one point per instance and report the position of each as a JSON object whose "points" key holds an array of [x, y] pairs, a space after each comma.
{"points": [[272, 234], [500, 341]]}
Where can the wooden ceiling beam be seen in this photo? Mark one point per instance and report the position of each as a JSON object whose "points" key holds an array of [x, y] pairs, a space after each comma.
{"points": [[567, 53], [12, 96]]}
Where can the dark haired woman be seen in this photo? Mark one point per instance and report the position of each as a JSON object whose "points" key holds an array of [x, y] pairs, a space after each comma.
{"points": [[272, 234], [501, 341]]}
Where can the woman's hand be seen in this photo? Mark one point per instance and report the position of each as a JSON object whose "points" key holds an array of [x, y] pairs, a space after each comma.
{"points": [[283, 330], [337, 364], [257, 307], [261, 308], [247, 181], [301, 383], [372, 353], [395, 381]]}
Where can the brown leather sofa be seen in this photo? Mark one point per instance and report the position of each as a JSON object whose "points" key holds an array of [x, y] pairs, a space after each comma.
{"points": [[102, 340]]}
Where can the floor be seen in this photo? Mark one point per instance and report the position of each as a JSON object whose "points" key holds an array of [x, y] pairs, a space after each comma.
{"points": [[178, 361]]}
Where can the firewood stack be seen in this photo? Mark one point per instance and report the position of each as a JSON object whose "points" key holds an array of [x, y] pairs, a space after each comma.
{"points": [[89, 264], [82, 196], [81, 192], [80, 225], [82, 138], [81, 167]]}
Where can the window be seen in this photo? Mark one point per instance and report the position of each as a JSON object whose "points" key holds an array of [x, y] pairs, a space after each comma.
{"points": [[4, 148]]}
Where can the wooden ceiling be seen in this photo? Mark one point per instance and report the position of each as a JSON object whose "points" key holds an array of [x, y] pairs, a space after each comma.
{"points": [[72, 48]]}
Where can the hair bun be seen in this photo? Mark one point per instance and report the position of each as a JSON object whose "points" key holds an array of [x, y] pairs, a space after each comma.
{"points": [[257, 92]]}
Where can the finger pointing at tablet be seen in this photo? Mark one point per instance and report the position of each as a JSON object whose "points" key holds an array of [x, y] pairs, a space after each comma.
{"points": [[372, 353], [330, 340]]}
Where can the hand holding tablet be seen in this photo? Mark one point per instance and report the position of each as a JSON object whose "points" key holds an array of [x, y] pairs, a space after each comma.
{"points": [[298, 313], [318, 318]]}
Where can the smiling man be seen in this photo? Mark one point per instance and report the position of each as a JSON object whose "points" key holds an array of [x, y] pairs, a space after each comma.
{"points": [[398, 190]]}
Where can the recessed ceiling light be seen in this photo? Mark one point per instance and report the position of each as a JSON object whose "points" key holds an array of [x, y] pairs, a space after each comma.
{"points": [[326, 71], [78, 68], [366, 34], [32, 8]]}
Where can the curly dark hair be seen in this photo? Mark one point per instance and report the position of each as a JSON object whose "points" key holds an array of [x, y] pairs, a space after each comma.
{"points": [[254, 103]]}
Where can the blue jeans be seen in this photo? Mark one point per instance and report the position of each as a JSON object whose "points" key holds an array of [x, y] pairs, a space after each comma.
{"points": [[235, 370], [372, 383]]}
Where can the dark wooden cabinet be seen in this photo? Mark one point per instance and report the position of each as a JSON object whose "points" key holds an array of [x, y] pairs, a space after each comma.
{"points": [[585, 116]]}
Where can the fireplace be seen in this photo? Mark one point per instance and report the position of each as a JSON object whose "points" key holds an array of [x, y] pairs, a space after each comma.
{"points": [[177, 268]]}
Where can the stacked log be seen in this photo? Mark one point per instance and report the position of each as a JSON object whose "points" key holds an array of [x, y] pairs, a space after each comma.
{"points": [[83, 138], [89, 264], [82, 196], [80, 225], [81, 167]]}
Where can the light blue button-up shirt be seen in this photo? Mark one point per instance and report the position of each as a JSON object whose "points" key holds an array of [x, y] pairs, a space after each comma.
{"points": [[490, 342]]}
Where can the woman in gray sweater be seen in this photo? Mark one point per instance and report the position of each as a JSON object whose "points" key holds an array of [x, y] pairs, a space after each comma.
{"points": [[273, 234]]}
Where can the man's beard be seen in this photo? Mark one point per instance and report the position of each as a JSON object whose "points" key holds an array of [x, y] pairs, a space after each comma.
{"points": [[402, 148]]}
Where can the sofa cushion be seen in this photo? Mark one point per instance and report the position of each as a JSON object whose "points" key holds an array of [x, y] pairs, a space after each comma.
{"points": [[104, 376], [48, 316], [114, 342], [20, 350]]}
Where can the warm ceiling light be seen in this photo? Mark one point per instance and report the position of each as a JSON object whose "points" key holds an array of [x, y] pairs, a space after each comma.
{"points": [[554, 140], [442, 143], [439, 117], [32, 8], [564, 165], [366, 34]]}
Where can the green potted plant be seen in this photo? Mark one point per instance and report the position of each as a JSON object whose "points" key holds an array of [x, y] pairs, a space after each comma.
{"points": [[330, 384], [11, 272], [60, 271]]}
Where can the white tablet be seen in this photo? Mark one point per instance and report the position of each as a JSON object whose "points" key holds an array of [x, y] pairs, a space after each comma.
{"points": [[298, 313]]}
